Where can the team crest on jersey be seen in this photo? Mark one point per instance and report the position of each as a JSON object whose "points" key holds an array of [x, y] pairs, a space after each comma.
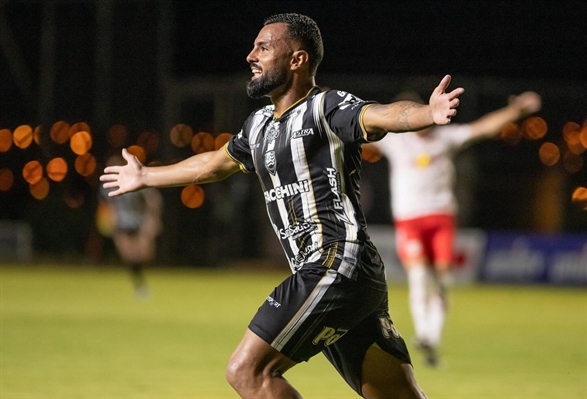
{"points": [[269, 157], [270, 163]]}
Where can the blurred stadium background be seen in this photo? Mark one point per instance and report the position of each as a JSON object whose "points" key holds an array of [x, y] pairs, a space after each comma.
{"points": [[80, 80]]}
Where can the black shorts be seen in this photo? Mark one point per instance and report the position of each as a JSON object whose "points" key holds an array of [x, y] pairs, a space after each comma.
{"points": [[319, 310]]}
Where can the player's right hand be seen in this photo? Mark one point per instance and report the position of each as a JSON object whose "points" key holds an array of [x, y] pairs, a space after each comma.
{"points": [[123, 178]]}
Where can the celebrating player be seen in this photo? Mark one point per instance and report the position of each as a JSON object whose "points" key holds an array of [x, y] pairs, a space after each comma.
{"points": [[306, 151], [423, 205]]}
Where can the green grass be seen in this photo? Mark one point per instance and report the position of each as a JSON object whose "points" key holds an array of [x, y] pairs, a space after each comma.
{"points": [[79, 332]]}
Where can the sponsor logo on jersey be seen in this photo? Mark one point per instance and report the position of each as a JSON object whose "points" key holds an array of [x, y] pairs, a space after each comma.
{"points": [[280, 192], [297, 229], [303, 254], [272, 302], [302, 133], [329, 335], [349, 99], [387, 328], [334, 180], [268, 111]]}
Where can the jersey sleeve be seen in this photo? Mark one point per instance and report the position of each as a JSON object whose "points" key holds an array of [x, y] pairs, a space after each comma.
{"points": [[239, 150], [343, 112]]}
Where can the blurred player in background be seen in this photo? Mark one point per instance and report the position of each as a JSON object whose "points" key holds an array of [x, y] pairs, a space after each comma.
{"points": [[136, 220], [306, 151], [423, 204]]}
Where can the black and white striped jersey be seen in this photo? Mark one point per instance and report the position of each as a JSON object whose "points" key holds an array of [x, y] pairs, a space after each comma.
{"points": [[308, 162]]}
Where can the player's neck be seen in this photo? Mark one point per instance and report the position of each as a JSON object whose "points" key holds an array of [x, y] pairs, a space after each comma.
{"points": [[291, 95]]}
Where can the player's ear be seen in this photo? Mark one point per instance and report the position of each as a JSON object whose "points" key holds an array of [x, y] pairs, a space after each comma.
{"points": [[299, 58]]}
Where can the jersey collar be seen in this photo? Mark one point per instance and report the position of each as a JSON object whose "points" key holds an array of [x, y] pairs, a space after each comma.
{"points": [[277, 117]]}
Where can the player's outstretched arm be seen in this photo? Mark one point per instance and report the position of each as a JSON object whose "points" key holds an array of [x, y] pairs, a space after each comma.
{"points": [[407, 116], [518, 107], [201, 168]]}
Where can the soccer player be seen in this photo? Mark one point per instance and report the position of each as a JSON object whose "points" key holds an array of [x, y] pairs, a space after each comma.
{"points": [[137, 223], [423, 204], [306, 151]]}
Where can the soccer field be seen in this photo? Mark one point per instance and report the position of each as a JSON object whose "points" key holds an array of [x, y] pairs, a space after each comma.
{"points": [[79, 332]]}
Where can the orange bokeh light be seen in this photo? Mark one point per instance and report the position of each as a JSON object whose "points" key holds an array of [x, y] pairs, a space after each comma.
{"points": [[79, 127], [583, 136], [181, 135], [5, 140], [569, 129], [116, 136], [549, 153], [534, 127], [32, 172], [40, 190], [80, 142], [192, 196], [202, 142], [85, 164], [221, 139], [23, 136], [580, 196], [56, 169], [138, 152], [74, 200], [370, 155], [572, 162], [6, 179], [60, 132], [511, 133], [37, 134], [572, 137], [576, 147], [149, 140]]}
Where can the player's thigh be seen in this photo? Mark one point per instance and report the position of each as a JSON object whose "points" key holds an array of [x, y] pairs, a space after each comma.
{"points": [[443, 240], [410, 242], [385, 377], [349, 354], [311, 310]]}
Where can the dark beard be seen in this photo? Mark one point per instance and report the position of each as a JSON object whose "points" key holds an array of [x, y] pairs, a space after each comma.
{"points": [[259, 88]]}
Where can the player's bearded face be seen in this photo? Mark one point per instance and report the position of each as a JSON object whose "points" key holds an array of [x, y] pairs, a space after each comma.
{"points": [[266, 83]]}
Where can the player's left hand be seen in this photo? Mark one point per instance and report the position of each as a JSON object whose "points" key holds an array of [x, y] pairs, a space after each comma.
{"points": [[442, 104], [527, 103]]}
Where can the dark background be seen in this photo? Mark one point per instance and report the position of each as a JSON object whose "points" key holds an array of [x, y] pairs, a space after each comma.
{"points": [[113, 62]]}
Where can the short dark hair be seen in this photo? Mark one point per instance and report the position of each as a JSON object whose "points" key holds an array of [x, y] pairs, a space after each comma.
{"points": [[304, 29]]}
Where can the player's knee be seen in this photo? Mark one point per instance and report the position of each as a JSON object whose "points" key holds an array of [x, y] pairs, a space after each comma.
{"points": [[235, 373], [241, 375]]}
